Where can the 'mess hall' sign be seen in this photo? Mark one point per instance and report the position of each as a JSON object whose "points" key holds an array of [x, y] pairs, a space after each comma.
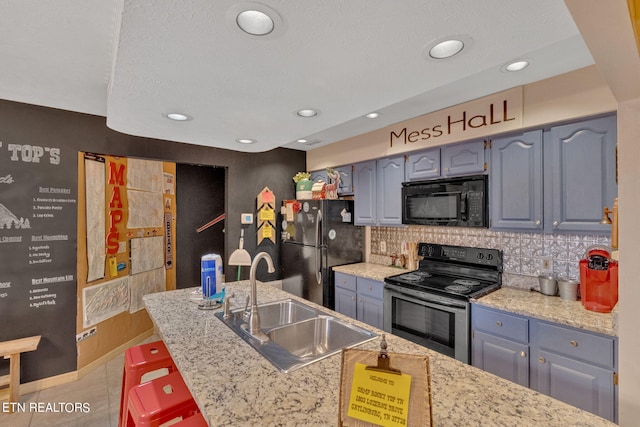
{"points": [[492, 114]]}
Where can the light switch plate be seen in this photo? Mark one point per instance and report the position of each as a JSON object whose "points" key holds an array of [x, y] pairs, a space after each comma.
{"points": [[246, 218]]}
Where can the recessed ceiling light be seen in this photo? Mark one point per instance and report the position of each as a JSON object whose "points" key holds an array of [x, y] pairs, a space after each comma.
{"points": [[302, 141], [516, 65], [373, 115], [246, 141], [178, 117], [446, 49], [308, 112], [255, 22]]}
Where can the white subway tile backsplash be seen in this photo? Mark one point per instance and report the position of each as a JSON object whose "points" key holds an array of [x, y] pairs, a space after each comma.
{"points": [[523, 252]]}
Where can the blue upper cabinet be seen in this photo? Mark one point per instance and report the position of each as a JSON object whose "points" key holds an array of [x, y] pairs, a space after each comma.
{"points": [[423, 165], [580, 171], [377, 191], [346, 180], [320, 175], [364, 182], [517, 182], [463, 159], [390, 177]]}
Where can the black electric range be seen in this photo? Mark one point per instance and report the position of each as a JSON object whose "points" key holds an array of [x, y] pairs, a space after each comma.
{"points": [[457, 272], [430, 306]]}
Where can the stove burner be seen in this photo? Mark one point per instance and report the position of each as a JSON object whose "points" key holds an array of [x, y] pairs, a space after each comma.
{"points": [[458, 288], [416, 276], [466, 282]]}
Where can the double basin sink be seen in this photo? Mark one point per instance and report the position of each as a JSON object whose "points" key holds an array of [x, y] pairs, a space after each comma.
{"points": [[298, 334]]}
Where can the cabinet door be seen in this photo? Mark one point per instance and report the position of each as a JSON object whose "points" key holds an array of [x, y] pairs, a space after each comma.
{"points": [[516, 182], [580, 159], [320, 175], [504, 358], [423, 165], [585, 386], [365, 193], [370, 311], [463, 159], [346, 180], [389, 190], [346, 302]]}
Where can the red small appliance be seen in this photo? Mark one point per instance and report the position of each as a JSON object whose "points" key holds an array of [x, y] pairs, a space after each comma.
{"points": [[598, 279]]}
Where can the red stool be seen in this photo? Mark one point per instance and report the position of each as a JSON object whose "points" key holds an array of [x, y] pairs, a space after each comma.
{"points": [[139, 361], [196, 420], [158, 401]]}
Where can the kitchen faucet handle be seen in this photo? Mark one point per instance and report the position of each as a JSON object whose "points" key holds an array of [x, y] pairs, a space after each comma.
{"points": [[227, 306], [246, 312]]}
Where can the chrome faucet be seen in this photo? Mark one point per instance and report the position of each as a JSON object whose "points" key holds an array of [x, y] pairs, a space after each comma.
{"points": [[254, 317]]}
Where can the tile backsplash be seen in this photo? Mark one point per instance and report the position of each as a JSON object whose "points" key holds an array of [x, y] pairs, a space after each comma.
{"points": [[523, 253]]}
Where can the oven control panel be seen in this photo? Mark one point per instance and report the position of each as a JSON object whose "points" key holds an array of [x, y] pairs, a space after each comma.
{"points": [[467, 255]]}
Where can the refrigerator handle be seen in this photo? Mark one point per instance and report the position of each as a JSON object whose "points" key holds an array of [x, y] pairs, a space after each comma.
{"points": [[318, 248]]}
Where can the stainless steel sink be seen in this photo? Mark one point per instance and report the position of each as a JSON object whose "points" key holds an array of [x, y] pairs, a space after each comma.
{"points": [[320, 336], [298, 334], [280, 313]]}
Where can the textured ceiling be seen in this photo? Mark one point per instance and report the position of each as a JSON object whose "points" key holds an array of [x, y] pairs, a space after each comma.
{"points": [[134, 61]]}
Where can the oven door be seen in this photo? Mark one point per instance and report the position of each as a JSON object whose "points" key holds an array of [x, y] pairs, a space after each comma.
{"points": [[441, 324]]}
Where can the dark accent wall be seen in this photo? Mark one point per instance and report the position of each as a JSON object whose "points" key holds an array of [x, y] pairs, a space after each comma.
{"points": [[246, 173]]}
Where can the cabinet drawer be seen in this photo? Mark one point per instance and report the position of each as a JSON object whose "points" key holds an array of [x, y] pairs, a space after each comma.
{"points": [[345, 281], [369, 287], [577, 344], [502, 324]]}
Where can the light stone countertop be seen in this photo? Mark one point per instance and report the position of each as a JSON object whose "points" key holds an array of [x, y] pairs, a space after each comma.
{"points": [[235, 386], [370, 270], [516, 300], [553, 309]]}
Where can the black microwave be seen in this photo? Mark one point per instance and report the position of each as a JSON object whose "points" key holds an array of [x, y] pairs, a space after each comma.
{"points": [[454, 202]]}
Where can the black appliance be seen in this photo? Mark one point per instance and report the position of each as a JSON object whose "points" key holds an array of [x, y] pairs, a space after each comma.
{"points": [[453, 202], [316, 236], [430, 306]]}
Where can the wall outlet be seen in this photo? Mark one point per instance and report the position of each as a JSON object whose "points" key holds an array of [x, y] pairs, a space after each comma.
{"points": [[546, 264], [86, 334], [383, 246]]}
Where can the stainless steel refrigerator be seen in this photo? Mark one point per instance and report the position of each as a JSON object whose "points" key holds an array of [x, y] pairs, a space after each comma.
{"points": [[318, 235]]}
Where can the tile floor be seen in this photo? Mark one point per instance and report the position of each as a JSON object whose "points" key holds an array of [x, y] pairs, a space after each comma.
{"points": [[99, 390]]}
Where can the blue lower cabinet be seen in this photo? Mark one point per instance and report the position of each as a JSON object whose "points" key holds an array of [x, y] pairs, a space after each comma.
{"points": [[360, 298], [569, 364], [585, 386], [504, 358]]}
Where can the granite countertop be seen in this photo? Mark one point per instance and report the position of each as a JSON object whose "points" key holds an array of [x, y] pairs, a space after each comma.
{"points": [[553, 309], [516, 300], [370, 270], [235, 386]]}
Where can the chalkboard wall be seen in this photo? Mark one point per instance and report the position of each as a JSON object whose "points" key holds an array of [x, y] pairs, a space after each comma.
{"points": [[39, 298]]}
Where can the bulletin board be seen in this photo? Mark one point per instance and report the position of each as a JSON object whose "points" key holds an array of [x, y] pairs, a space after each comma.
{"points": [[126, 241], [391, 392]]}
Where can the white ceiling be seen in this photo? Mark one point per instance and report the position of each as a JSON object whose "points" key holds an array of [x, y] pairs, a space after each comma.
{"points": [[133, 61]]}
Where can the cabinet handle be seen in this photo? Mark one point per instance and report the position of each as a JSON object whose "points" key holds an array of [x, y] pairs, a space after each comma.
{"points": [[446, 169], [555, 223], [523, 354], [573, 343], [541, 359], [353, 298], [499, 323], [538, 222]]}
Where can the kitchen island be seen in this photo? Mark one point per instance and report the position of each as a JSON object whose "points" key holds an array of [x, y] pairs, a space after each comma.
{"points": [[235, 386]]}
